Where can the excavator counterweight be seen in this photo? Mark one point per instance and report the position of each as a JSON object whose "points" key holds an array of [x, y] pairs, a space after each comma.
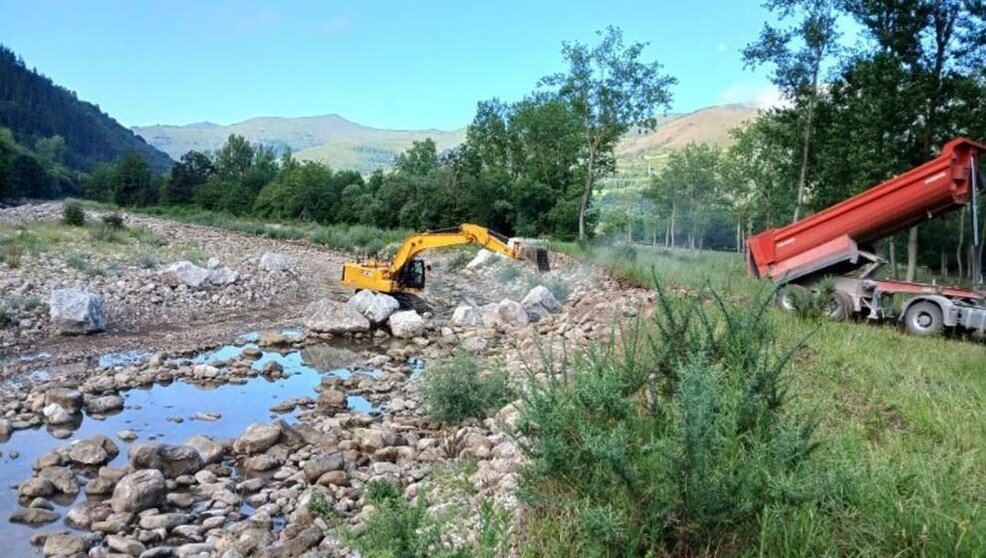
{"points": [[405, 273]]}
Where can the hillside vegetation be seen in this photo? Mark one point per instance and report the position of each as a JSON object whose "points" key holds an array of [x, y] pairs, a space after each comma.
{"points": [[35, 109], [329, 139]]}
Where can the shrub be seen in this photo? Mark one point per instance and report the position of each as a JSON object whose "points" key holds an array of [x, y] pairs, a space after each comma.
{"points": [[82, 263], [671, 443], [12, 252], [114, 221], [6, 316], [508, 273], [459, 260], [104, 233], [625, 252], [73, 214], [459, 388], [558, 286]]}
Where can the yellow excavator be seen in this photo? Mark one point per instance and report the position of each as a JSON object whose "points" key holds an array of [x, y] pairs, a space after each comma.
{"points": [[405, 273]]}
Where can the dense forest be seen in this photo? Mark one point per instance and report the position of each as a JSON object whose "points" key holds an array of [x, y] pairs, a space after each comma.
{"points": [[36, 110]]}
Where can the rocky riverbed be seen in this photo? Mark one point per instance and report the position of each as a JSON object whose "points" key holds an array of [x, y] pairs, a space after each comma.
{"points": [[221, 444]]}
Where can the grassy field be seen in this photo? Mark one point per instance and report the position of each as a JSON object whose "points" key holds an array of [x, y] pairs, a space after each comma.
{"points": [[900, 469]]}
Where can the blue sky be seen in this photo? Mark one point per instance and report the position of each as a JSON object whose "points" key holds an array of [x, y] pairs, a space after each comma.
{"points": [[391, 64]]}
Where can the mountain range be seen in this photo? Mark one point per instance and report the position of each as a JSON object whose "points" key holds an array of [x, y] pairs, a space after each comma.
{"points": [[343, 144]]}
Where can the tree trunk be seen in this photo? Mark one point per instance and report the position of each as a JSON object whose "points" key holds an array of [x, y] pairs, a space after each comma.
{"points": [[803, 178], [586, 190], [943, 266], [912, 254], [893, 259]]}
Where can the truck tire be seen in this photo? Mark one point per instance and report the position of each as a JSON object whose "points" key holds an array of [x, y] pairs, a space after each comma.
{"points": [[839, 307], [789, 295], [924, 319]]}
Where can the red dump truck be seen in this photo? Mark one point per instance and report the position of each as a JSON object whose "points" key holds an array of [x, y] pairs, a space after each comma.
{"points": [[839, 242]]}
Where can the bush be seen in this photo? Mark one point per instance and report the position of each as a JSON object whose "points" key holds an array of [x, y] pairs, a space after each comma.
{"points": [[459, 260], [104, 233], [459, 388], [399, 529], [508, 273], [114, 221], [73, 214], [6, 316], [624, 252], [669, 444], [558, 287], [11, 251]]}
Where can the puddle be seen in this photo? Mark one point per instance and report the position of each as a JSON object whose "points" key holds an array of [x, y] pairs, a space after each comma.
{"points": [[151, 412], [417, 367], [125, 357]]}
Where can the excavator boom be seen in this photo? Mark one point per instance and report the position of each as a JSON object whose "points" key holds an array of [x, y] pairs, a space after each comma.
{"points": [[405, 272]]}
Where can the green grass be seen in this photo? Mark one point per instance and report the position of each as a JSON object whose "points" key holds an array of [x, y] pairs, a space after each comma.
{"points": [[902, 443]]}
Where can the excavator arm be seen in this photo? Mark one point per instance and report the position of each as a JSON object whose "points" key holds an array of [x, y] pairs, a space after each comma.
{"points": [[405, 272]]}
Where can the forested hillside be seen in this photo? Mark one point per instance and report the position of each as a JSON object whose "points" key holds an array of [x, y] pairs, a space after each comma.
{"points": [[37, 110]]}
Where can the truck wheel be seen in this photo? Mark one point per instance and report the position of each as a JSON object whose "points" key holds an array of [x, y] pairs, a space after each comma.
{"points": [[839, 306], [789, 296], [924, 319]]}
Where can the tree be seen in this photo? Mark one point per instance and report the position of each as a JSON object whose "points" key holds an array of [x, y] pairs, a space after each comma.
{"points": [[100, 183], [193, 170], [798, 54], [133, 183], [609, 89]]}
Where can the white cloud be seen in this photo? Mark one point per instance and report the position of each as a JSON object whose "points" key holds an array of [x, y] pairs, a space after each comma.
{"points": [[766, 96]]}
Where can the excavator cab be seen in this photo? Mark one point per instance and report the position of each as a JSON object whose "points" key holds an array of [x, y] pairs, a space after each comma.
{"points": [[413, 275]]}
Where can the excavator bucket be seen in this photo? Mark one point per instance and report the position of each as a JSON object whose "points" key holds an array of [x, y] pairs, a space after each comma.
{"points": [[532, 250]]}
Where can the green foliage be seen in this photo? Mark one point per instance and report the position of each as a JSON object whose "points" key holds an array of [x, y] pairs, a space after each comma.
{"points": [[73, 214], [558, 286], [63, 129], [668, 443], [508, 273], [6, 315], [101, 232], [318, 506], [133, 183], [82, 263], [398, 529], [459, 260], [114, 221], [11, 253], [461, 388]]}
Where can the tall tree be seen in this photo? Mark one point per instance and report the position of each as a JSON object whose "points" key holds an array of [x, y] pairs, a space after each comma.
{"points": [[193, 170], [133, 183], [798, 54], [610, 90]]}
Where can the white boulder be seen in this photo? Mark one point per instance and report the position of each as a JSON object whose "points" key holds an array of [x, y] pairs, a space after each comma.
{"points": [[482, 258], [272, 261], [467, 315], [75, 312], [331, 316], [184, 273], [406, 324], [507, 313], [540, 302], [376, 307]]}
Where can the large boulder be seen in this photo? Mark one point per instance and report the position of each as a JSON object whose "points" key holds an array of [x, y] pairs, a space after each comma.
{"points": [[56, 414], [482, 258], [184, 273], [139, 491], [172, 461], [97, 450], [272, 261], [467, 315], [331, 316], [506, 313], [406, 324], [539, 302], [64, 544], [75, 312], [257, 438], [209, 450], [70, 399], [376, 307], [222, 276]]}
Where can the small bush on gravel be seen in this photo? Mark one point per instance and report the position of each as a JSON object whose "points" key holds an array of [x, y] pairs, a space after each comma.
{"points": [[104, 233], [11, 251], [508, 273], [459, 259], [460, 388], [73, 214], [558, 286], [114, 221], [6, 316], [671, 443]]}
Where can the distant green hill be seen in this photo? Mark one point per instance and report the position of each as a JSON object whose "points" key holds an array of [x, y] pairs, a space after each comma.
{"points": [[329, 139], [33, 108]]}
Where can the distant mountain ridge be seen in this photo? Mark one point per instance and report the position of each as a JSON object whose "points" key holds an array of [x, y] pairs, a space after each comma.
{"points": [[327, 138], [344, 144], [33, 107]]}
